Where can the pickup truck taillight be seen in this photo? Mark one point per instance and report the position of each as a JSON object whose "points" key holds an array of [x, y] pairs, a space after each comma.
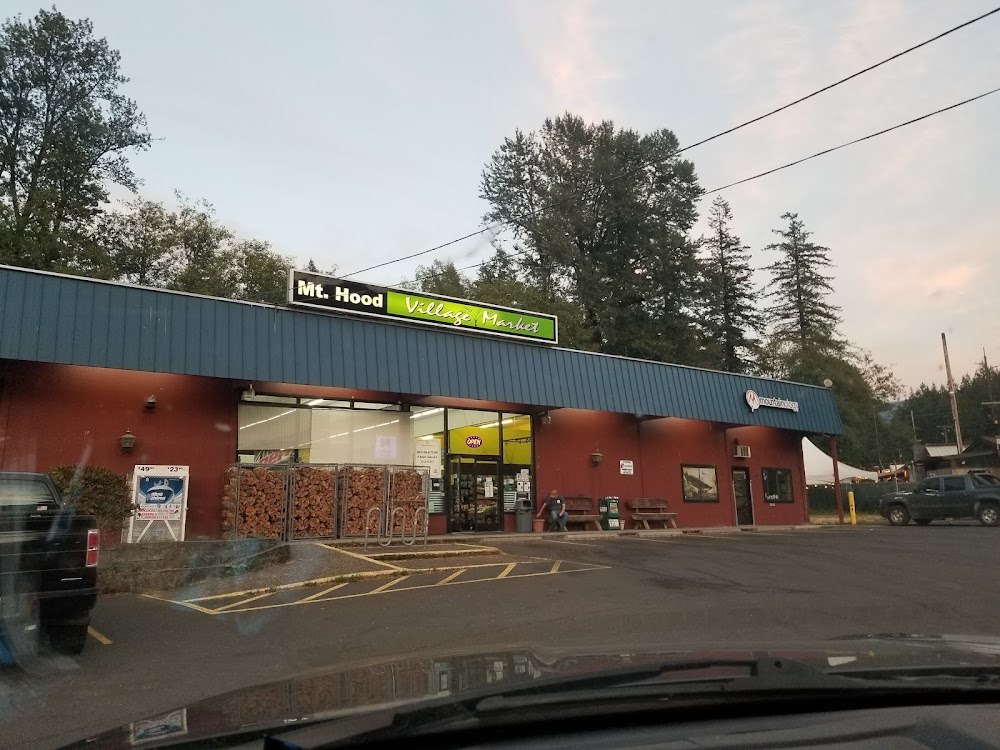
{"points": [[93, 547]]}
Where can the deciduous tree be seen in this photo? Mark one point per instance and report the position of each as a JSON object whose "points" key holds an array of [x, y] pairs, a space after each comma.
{"points": [[66, 130], [599, 216]]}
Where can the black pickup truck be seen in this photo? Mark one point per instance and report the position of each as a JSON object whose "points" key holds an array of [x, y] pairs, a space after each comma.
{"points": [[946, 496], [48, 567]]}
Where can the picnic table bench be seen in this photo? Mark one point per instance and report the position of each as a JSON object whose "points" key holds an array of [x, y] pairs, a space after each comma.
{"points": [[646, 509], [581, 510]]}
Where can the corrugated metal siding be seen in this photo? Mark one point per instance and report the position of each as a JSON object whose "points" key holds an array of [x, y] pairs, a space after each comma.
{"points": [[50, 318]]}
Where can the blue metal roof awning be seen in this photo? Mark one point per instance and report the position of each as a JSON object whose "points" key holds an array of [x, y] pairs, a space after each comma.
{"points": [[63, 319]]}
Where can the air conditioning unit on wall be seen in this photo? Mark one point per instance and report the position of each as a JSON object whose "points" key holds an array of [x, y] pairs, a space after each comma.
{"points": [[741, 451]]}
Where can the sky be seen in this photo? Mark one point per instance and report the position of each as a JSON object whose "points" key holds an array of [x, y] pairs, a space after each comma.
{"points": [[353, 133]]}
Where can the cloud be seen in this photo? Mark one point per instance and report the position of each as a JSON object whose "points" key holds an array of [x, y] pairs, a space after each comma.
{"points": [[572, 64]]}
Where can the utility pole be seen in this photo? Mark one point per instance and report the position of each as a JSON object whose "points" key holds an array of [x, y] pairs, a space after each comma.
{"points": [[951, 394], [913, 424], [878, 444], [989, 388]]}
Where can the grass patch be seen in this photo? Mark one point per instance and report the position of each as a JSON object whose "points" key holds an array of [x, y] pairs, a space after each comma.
{"points": [[828, 518]]}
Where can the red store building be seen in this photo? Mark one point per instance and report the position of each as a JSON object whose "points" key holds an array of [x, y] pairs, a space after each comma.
{"points": [[333, 379]]}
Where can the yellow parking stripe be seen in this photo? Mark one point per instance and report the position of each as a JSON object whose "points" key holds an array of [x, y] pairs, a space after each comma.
{"points": [[507, 570], [359, 557], [422, 586], [388, 585], [555, 567], [451, 577], [102, 639], [190, 605], [322, 593], [285, 586], [224, 607]]}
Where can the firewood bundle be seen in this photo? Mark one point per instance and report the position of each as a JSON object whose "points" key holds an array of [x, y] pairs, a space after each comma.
{"points": [[229, 500], [253, 502], [406, 491], [315, 499], [362, 487]]}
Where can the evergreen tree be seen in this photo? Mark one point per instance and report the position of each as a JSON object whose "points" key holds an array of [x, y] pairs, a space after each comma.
{"points": [[801, 315], [730, 318]]}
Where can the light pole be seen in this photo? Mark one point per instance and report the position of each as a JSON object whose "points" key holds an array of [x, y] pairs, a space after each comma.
{"points": [[828, 384]]}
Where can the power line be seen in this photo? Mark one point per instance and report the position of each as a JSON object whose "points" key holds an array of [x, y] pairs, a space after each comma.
{"points": [[855, 141], [798, 161], [644, 165]]}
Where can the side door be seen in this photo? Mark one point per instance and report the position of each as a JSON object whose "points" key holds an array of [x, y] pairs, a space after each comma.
{"points": [[956, 497], [925, 502]]}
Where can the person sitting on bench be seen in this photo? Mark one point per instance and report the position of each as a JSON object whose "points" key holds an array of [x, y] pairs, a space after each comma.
{"points": [[556, 507]]}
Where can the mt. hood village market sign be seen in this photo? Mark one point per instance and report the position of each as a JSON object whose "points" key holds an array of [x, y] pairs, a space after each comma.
{"points": [[335, 295]]}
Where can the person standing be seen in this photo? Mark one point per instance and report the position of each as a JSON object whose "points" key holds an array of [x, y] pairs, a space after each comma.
{"points": [[556, 508]]}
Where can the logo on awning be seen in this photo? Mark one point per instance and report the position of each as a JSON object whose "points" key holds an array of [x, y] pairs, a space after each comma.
{"points": [[755, 402]]}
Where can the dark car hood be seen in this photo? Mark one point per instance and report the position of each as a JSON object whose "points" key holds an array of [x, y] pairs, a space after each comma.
{"points": [[349, 690]]}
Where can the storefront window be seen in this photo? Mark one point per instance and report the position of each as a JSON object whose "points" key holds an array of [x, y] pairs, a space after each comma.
{"points": [[701, 485], [777, 485], [270, 433], [473, 433], [517, 477]]}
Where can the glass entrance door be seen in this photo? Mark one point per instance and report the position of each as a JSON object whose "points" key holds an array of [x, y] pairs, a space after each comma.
{"points": [[742, 496], [475, 497]]}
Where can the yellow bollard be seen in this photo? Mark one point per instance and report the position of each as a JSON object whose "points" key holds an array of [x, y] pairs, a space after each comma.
{"points": [[850, 503]]}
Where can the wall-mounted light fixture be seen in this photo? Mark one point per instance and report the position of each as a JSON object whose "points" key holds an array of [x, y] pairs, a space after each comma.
{"points": [[127, 442], [151, 403], [248, 394], [596, 457], [546, 418]]}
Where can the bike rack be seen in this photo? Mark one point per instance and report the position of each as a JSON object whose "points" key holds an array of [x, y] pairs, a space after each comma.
{"points": [[384, 536], [416, 525], [381, 526]]}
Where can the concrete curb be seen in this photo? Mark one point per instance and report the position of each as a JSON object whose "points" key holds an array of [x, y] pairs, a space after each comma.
{"points": [[549, 535], [420, 555]]}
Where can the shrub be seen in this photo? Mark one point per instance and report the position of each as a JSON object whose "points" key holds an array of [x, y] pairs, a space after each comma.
{"points": [[96, 491]]}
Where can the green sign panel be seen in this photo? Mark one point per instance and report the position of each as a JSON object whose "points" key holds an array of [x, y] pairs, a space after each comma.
{"points": [[337, 295]]}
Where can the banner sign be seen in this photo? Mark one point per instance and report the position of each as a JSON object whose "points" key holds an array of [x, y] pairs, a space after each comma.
{"points": [[160, 497], [335, 295]]}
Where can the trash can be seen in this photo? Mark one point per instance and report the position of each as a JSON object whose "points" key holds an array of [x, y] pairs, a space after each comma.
{"points": [[611, 518], [522, 515]]}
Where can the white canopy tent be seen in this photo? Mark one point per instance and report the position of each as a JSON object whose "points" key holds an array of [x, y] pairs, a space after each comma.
{"points": [[819, 467]]}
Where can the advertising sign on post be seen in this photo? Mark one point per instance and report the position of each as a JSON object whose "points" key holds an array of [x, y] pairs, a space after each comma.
{"points": [[159, 494]]}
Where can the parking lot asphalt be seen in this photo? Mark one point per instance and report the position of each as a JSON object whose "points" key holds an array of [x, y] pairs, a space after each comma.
{"points": [[629, 592]]}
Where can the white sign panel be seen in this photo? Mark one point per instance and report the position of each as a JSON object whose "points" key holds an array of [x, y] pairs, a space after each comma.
{"points": [[755, 401], [160, 497], [385, 447], [428, 453], [626, 467]]}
